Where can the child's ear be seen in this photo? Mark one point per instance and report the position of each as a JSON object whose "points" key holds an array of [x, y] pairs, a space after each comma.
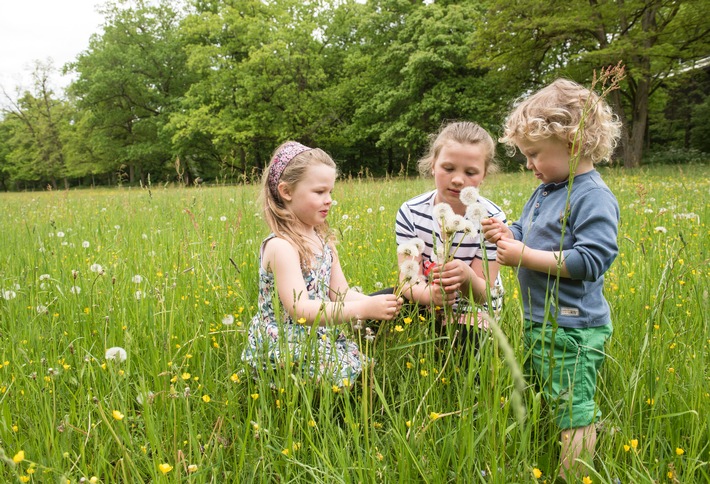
{"points": [[284, 191]]}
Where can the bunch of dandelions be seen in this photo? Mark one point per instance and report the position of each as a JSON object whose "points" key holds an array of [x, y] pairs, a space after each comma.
{"points": [[409, 268], [451, 223]]}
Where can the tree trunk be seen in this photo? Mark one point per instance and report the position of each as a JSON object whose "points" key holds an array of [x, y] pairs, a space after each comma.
{"points": [[634, 147]]}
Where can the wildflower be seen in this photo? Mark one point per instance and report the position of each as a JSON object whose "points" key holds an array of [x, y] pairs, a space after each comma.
{"points": [[41, 309], [185, 376], [44, 277], [382, 208], [165, 468], [627, 447], [660, 230], [442, 211], [254, 396], [137, 279], [228, 320], [469, 196], [7, 294], [408, 249], [85, 244], [469, 227], [454, 224], [301, 320], [409, 271], [476, 212], [60, 234], [634, 443], [407, 320], [234, 378], [434, 415], [192, 468], [206, 398], [138, 295], [537, 473], [75, 290], [117, 415], [587, 480], [369, 335], [116, 353], [24, 478], [19, 457], [96, 268], [408, 423], [335, 388], [679, 451], [223, 218], [311, 423], [398, 328], [424, 373]]}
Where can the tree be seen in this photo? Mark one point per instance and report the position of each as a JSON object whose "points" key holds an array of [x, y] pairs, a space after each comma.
{"points": [[34, 125], [530, 42], [130, 80]]}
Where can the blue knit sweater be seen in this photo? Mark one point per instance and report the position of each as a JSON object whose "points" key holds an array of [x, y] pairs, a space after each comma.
{"points": [[589, 247]]}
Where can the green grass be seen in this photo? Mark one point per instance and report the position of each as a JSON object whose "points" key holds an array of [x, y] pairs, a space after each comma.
{"points": [[421, 414]]}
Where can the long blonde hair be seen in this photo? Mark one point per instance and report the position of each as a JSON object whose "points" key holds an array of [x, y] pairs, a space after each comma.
{"points": [[463, 132], [282, 222]]}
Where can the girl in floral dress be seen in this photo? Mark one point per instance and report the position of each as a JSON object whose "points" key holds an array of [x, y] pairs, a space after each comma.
{"points": [[304, 297]]}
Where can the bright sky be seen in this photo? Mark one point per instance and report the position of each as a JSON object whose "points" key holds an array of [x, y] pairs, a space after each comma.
{"points": [[40, 29]]}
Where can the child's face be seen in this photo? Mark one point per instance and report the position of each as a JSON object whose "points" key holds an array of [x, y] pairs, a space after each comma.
{"points": [[310, 200], [548, 159], [458, 166]]}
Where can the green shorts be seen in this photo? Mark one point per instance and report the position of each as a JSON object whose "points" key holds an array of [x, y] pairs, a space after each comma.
{"points": [[568, 377]]}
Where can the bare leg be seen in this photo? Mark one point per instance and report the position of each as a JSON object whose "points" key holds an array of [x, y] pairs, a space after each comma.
{"points": [[575, 442]]}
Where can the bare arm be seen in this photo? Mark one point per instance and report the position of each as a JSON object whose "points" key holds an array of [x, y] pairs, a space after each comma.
{"points": [[281, 258]]}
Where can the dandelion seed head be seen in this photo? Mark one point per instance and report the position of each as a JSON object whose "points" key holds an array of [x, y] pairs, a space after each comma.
{"points": [[96, 268], [408, 249], [469, 196], [228, 320], [454, 223], [409, 270], [75, 290], [44, 277], [223, 218], [137, 279], [138, 295], [660, 229], [86, 244], [116, 353], [8, 294], [442, 211], [476, 212]]}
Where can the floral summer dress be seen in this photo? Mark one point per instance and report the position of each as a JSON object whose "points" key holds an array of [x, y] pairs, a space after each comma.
{"points": [[326, 354]]}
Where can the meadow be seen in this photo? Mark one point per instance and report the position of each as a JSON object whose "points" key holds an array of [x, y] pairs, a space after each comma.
{"points": [[170, 276]]}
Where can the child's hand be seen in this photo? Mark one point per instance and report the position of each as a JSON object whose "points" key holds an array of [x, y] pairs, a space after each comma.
{"points": [[439, 297], [494, 229], [452, 275], [384, 307], [510, 252]]}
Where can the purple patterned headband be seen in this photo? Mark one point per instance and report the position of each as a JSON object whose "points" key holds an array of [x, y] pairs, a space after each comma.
{"points": [[278, 164]]}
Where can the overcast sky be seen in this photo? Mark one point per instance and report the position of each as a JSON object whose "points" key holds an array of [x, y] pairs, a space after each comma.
{"points": [[40, 29]]}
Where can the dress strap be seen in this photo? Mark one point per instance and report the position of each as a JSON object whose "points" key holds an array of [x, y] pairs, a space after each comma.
{"points": [[263, 245]]}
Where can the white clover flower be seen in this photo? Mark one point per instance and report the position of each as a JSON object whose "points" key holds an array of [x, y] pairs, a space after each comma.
{"points": [[454, 224], [469, 196], [75, 290], [228, 320], [41, 309], [8, 294], [85, 244], [408, 270], [116, 353], [476, 212], [60, 234], [408, 249], [96, 268], [223, 218], [660, 229], [442, 211], [137, 279], [138, 295], [44, 277]]}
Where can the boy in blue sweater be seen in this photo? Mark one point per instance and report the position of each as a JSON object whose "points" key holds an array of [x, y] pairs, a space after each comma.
{"points": [[563, 243]]}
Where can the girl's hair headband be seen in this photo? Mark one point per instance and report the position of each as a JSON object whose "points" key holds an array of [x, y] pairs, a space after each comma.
{"points": [[278, 164]]}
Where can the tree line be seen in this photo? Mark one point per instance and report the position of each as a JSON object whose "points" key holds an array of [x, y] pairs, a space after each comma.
{"points": [[206, 89]]}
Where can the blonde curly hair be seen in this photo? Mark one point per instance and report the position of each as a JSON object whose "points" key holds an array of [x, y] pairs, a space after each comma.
{"points": [[564, 110]]}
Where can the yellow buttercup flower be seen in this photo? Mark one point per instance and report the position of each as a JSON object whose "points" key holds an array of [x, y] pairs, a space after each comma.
{"points": [[206, 398], [537, 473], [165, 468], [587, 480], [433, 415], [19, 457], [679, 451], [117, 415]]}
